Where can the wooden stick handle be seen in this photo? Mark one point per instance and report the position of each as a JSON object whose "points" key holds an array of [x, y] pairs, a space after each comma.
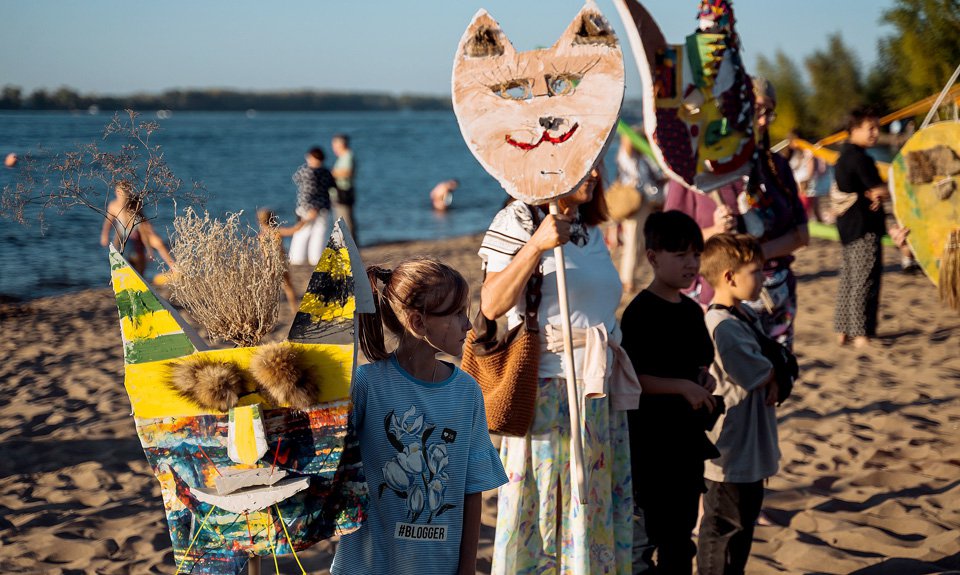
{"points": [[577, 467]]}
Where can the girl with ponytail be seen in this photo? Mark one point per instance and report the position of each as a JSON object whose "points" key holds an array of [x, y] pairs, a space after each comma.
{"points": [[422, 428]]}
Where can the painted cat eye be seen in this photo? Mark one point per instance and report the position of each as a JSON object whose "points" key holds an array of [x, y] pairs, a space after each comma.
{"points": [[563, 84], [515, 90]]}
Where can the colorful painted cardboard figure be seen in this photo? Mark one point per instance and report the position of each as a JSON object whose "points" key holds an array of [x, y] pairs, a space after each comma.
{"points": [[697, 97], [251, 445], [538, 121], [925, 181]]}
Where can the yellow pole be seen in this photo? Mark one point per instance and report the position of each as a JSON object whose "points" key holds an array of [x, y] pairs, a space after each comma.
{"points": [[905, 112]]}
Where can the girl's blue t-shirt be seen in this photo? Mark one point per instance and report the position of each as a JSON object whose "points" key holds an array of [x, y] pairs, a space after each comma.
{"points": [[424, 446]]}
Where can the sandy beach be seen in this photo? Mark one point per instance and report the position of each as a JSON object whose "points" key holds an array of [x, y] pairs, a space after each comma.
{"points": [[869, 480]]}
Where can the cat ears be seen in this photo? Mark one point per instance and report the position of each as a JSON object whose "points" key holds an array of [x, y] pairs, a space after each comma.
{"points": [[484, 38]]}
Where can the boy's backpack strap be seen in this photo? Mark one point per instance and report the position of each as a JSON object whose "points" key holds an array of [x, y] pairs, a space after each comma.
{"points": [[742, 317]]}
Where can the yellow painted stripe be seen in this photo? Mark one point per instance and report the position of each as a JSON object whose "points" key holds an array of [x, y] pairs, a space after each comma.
{"points": [[151, 395], [326, 311], [126, 278], [335, 262], [149, 325], [244, 440]]}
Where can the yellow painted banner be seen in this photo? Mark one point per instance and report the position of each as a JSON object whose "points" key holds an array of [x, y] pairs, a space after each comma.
{"points": [[926, 195], [152, 396]]}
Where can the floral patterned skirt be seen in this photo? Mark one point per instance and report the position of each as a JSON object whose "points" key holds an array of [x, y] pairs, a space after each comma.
{"points": [[591, 539]]}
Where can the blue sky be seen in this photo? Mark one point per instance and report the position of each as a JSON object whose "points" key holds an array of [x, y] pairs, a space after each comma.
{"points": [[115, 47]]}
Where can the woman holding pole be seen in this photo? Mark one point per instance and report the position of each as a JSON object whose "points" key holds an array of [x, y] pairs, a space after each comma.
{"points": [[541, 525]]}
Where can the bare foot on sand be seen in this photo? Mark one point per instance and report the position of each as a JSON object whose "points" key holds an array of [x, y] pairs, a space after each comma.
{"points": [[862, 342], [842, 339]]}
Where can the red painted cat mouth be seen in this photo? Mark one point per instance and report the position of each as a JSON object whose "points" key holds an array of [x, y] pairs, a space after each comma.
{"points": [[545, 137]]}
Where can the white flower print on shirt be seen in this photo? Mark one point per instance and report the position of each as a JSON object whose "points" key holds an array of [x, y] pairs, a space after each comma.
{"points": [[408, 425], [418, 473]]}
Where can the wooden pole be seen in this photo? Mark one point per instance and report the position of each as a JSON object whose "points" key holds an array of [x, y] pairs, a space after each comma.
{"points": [[577, 467], [913, 109]]}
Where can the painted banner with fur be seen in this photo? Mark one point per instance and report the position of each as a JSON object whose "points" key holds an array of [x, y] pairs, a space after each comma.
{"points": [[251, 446]]}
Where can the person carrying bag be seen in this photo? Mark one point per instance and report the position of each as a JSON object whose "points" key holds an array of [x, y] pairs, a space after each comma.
{"points": [[506, 368]]}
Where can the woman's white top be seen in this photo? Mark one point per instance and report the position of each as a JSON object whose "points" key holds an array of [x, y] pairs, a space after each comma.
{"points": [[593, 285]]}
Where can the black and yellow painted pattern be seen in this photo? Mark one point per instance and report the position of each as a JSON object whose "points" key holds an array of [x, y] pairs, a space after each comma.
{"points": [[329, 304]]}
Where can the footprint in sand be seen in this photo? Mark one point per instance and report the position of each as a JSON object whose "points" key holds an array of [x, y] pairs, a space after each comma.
{"points": [[54, 549]]}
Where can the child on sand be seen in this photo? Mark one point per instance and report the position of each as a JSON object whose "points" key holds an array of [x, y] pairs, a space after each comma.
{"points": [[422, 429], [125, 218], [668, 344], [747, 434], [266, 219]]}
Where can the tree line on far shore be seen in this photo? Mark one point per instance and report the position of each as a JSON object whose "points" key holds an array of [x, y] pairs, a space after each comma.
{"points": [[913, 62], [64, 98]]}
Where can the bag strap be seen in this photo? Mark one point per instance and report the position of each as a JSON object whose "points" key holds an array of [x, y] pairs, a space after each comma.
{"points": [[534, 284], [760, 335], [532, 293], [739, 315]]}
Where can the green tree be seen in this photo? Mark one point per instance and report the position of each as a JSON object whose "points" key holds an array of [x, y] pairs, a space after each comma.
{"points": [[11, 98], [66, 99], [40, 100], [792, 95], [925, 49], [877, 88], [837, 85]]}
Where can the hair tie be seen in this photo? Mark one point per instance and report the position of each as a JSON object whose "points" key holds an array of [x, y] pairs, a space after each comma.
{"points": [[384, 275]]}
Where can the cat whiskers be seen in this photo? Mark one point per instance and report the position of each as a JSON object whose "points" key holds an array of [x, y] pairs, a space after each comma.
{"points": [[588, 67]]}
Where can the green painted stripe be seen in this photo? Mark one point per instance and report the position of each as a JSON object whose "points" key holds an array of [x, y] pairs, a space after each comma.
{"points": [[134, 303], [639, 142], [116, 260], [829, 232], [157, 348]]}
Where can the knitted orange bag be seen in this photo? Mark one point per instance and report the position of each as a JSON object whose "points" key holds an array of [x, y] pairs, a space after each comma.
{"points": [[507, 368]]}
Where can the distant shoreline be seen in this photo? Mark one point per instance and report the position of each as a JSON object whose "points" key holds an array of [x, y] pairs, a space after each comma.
{"points": [[226, 100], [209, 100]]}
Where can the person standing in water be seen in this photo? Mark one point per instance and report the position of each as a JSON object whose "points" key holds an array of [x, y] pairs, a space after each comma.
{"points": [[344, 171], [441, 196]]}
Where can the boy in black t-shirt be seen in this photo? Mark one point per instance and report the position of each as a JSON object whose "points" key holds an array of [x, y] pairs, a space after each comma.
{"points": [[667, 341]]}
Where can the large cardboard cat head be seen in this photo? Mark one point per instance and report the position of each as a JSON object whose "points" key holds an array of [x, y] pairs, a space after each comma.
{"points": [[538, 121]]}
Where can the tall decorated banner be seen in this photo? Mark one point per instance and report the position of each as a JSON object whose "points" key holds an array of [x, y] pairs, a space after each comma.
{"points": [[251, 445], [924, 179], [538, 122], [925, 185], [698, 103]]}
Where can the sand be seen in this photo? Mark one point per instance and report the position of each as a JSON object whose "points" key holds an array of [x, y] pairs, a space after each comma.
{"points": [[869, 480]]}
